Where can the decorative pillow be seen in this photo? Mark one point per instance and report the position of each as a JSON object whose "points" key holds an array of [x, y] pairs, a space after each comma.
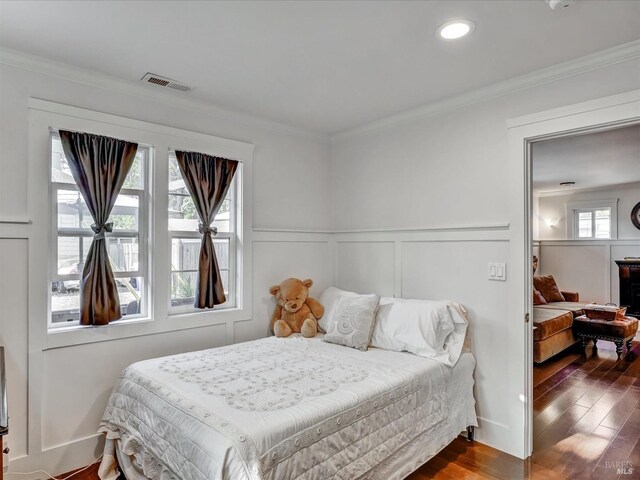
{"points": [[538, 299], [547, 286], [329, 300], [430, 329], [353, 322]]}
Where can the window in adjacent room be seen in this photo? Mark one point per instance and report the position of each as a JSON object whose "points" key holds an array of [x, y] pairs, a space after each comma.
{"points": [[72, 236], [592, 220], [186, 239]]}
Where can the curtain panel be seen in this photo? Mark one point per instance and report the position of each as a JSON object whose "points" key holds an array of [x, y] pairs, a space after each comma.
{"points": [[99, 166], [207, 179]]}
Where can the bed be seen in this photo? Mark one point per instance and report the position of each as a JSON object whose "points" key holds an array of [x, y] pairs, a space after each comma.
{"points": [[284, 408]]}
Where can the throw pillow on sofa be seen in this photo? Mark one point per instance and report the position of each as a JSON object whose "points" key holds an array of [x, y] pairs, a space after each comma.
{"points": [[538, 299], [547, 286]]}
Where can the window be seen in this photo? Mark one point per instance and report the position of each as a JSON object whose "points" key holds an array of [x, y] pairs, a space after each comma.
{"points": [[155, 243], [592, 220], [185, 241], [72, 237], [593, 223]]}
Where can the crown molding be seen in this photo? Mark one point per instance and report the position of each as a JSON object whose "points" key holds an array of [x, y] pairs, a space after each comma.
{"points": [[571, 191], [594, 61], [44, 66], [33, 63]]}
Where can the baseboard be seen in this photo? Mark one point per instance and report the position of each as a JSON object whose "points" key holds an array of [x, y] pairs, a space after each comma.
{"points": [[61, 458], [496, 435]]}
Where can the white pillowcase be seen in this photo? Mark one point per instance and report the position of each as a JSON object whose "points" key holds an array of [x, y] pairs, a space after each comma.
{"points": [[430, 329]]}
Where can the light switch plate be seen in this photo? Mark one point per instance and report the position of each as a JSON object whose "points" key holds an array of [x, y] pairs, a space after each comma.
{"points": [[498, 271]]}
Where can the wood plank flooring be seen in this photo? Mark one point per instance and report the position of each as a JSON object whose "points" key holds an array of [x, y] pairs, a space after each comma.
{"points": [[586, 412]]}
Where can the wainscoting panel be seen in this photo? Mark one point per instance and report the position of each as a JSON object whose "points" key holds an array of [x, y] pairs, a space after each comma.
{"points": [[13, 336], [69, 384], [415, 264], [578, 268], [366, 267], [305, 255], [586, 266], [458, 271], [78, 380], [446, 263]]}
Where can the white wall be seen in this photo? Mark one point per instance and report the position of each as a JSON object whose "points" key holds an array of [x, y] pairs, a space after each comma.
{"points": [[68, 387], [451, 170], [553, 208]]}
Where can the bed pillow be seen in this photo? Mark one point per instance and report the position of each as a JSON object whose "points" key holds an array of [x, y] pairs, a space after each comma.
{"points": [[353, 321], [430, 329], [547, 286]]}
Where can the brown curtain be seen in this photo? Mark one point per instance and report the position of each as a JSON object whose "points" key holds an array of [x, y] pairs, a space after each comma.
{"points": [[208, 179], [99, 166]]}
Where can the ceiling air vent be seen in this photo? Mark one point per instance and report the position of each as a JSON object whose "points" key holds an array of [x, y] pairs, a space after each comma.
{"points": [[165, 82]]}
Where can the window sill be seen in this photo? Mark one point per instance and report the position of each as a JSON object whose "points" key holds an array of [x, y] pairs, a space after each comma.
{"points": [[76, 326], [189, 310], [83, 334], [586, 239]]}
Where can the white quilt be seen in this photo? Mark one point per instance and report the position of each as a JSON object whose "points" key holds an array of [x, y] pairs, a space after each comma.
{"points": [[272, 409]]}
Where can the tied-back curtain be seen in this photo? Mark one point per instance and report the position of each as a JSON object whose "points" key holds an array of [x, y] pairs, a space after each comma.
{"points": [[208, 180], [99, 166]]}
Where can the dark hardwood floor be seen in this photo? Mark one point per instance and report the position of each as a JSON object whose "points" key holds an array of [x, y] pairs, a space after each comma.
{"points": [[586, 411]]}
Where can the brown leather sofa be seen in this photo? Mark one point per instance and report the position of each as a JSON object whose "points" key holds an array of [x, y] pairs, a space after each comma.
{"points": [[552, 322]]}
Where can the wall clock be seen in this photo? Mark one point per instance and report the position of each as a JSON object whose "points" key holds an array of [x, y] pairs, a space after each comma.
{"points": [[635, 216]]}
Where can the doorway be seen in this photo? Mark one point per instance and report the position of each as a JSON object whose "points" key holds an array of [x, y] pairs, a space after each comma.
{"points": [[583, 189], [600, 115]]}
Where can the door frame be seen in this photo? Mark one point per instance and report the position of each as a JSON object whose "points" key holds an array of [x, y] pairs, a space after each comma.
{"points": [[587, 117]]}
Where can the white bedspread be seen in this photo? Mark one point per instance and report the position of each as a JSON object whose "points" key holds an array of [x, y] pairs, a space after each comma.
{"points": [[273, 408]]}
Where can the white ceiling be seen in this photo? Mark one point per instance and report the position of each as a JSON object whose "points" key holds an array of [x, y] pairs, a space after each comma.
{"points": [[324, 66], [594, 160]]}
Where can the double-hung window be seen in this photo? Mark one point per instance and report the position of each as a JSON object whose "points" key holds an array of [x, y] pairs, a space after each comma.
{"points": [[592, 220], [72, 236], [593, 223], [186, 239], [154, 245]]}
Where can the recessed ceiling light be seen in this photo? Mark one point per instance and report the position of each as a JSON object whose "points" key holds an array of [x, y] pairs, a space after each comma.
{"points": [[455, 29], [567, 184]]}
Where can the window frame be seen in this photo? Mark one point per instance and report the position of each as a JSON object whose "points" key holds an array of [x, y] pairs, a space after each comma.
{"points": [[142, 234], [233, 253], [576, 207], [44, 116]]}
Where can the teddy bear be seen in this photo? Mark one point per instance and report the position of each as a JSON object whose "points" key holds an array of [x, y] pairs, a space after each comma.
{"points": [[295, 311]]}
